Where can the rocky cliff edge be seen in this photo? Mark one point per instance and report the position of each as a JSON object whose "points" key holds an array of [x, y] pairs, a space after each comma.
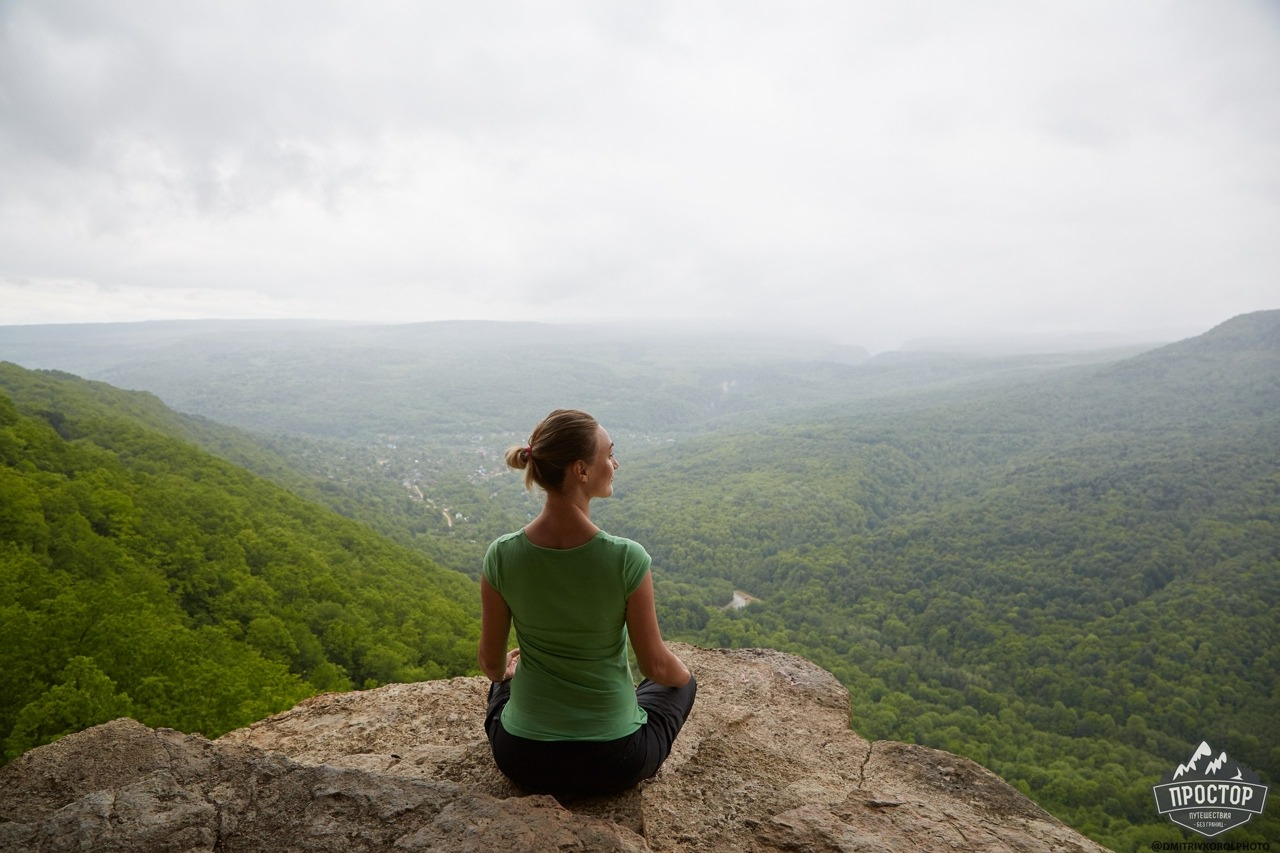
{"points": [[766, 762]]}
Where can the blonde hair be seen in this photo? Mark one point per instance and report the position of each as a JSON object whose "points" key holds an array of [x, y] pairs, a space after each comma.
{"points": [[562, 438]]}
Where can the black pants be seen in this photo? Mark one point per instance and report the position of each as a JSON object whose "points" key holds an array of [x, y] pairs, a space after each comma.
{"points": [[591, 766]]}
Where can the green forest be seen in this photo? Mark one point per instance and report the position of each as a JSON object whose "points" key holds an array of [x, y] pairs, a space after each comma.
{"points": [[1073, 626], [143, 576], [1064, 567]]}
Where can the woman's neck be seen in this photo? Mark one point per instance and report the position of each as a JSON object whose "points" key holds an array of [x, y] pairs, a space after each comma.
{"points": [[565, 522]]}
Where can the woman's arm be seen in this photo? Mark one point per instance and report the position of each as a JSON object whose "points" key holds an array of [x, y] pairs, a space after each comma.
{"points": [[657, 662], [495, 628]]}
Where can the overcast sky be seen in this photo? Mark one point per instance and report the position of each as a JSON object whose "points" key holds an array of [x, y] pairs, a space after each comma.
{"points": [[871, 171]]}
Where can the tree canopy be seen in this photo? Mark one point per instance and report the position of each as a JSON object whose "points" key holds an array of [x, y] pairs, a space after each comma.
{"points": [[141, 575]]}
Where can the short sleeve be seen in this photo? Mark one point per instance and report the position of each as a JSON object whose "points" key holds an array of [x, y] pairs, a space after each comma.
{"points": [[490, 566], [635, 566]]}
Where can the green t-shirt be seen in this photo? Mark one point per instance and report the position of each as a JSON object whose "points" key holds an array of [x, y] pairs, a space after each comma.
{"points": [[569, 607]]}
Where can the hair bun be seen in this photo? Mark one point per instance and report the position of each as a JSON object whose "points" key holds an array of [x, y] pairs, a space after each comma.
{"points": [[519, 457]]}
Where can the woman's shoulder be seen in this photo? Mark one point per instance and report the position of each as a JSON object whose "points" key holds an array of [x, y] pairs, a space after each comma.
{"points": [[504, 541], [622, 543]]}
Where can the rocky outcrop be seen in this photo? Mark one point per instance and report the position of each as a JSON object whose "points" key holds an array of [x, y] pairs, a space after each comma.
{"points": [[767, 762]]}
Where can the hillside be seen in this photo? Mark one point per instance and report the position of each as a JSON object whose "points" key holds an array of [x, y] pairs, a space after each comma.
{"points": [[402, 426], [141, 575], [1069, 581]]}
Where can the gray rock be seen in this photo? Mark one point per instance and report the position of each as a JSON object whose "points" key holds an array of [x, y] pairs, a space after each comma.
{"points": [[767, 762]]}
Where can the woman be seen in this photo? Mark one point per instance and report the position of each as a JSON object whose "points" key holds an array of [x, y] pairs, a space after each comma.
{"points": [[563, 714]]}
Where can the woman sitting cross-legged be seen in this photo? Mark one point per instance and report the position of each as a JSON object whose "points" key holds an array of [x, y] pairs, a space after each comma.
{"points": [[564, 716]]}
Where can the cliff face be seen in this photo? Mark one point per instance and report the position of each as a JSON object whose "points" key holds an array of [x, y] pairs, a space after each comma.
{"points": [[766, 762]]}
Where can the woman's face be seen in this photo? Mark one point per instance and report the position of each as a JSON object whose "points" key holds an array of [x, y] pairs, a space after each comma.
{"points": [[600, 469]]}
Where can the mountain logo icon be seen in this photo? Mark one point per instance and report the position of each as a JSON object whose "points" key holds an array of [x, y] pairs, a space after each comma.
{"points": [[1210, 795]]}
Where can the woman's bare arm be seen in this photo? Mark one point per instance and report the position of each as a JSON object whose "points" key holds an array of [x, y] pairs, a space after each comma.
{"points": [[495, 629], [657, 662]]}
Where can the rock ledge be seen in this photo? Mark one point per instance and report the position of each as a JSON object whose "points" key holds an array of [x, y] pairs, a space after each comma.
{"points": [[767, 762]]}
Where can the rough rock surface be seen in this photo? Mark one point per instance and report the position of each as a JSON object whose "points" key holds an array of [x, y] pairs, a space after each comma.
{"points": [[767, 762]]}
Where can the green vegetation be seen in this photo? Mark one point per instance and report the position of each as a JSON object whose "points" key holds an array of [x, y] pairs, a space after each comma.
{"points": [[1063, 567], [1072, 582], [139, 575]]}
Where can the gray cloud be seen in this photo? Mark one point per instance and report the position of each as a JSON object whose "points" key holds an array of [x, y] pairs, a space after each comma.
{"points": [[873, 171]]}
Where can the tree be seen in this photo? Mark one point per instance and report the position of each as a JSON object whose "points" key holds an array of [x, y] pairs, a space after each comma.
{"points": [[85, 697]]}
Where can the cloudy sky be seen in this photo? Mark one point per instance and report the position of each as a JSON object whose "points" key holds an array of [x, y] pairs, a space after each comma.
{"points": [[872, 171]]}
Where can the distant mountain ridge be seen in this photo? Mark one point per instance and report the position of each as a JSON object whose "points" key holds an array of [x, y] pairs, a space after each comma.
{"points": [[1228, 377], [1241, 355], [341, 381]]}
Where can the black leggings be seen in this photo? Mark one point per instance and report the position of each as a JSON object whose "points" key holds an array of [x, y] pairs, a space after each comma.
{"points": [[590, 766]]}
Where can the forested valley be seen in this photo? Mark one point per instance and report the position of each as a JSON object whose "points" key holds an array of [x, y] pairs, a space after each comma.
{"points": [[142, 576], [1061, 566]]}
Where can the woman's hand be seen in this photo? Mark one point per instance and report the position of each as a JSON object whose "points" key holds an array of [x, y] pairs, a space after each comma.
{"points": [[513, 657]]}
